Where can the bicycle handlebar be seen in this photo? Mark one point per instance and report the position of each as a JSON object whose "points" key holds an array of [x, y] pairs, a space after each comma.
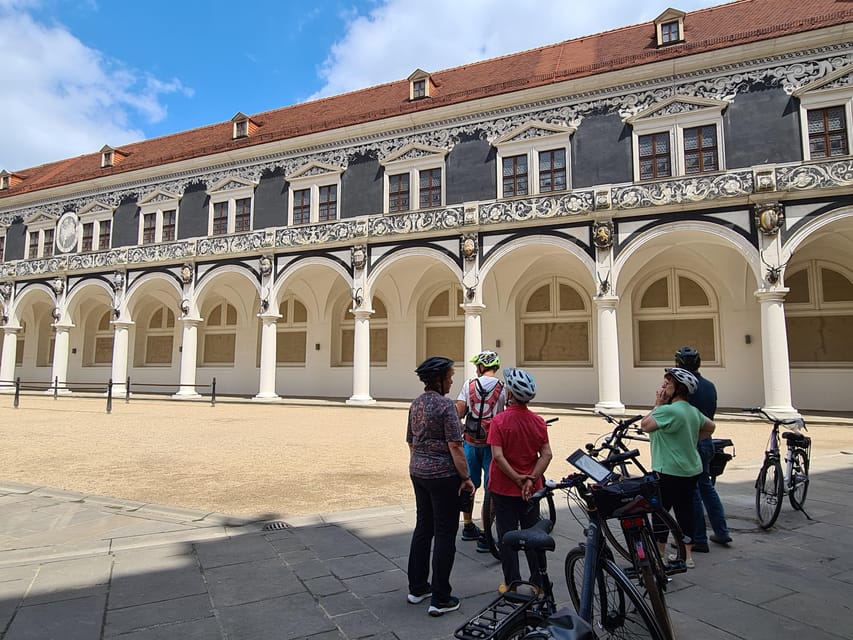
{"points": [[794, 424]]}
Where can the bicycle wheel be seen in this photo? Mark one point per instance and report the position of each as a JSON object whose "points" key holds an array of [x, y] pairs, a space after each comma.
{"points": [[653, 580], [547, 511], [618, 610], [519, 629], [674, 538], [799, 478], [769, 491]]}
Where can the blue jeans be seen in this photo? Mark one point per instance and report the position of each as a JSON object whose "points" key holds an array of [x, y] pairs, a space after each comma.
{"points": [[437, 504], [705, 494], [478, 459]]}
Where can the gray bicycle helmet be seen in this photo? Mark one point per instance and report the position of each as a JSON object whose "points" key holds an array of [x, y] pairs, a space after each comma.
{"points": [[687, 358], [433, 367], [487, 359], [684, 377], [520, 384]]}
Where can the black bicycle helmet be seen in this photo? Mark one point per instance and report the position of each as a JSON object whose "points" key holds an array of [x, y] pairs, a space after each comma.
{"points": [[685, 377], [687, 358], [520, 384], [433, 367]]}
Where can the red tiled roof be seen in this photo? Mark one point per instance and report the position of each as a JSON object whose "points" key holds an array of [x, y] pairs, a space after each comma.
{"points": [[706, 30]]}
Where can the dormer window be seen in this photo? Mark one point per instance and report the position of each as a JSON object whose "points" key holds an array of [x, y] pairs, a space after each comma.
{"points": [[8, 180], [669, 27], [243, 126], [4, 181], [419, 85], [110, 157]]}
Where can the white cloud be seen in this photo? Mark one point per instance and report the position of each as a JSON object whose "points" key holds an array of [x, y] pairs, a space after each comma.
{"points": [[399, 36], [64, 98]]}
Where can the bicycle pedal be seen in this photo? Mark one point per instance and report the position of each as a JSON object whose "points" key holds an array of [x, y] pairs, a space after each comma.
{"points": [[676, 566]]}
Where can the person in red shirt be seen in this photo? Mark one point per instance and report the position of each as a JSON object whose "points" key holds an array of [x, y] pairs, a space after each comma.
{"points": [[520, 455]]}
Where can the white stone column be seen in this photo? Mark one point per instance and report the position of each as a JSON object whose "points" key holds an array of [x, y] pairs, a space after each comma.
{"points": [[61, 345], [120, 350], [774, 353], [608, 355], [361, 359], [473, 335], [189, 347], [269, 335], [7, 364]]}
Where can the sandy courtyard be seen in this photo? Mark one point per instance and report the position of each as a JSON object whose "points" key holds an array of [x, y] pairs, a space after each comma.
{"points": [[263, 460]]}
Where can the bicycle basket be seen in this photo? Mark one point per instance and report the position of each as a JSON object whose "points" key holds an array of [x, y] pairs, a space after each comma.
{"points": [[640, 495], [720, 458]]}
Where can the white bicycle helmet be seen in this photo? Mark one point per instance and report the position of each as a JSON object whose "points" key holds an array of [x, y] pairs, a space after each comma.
{"points": [[684, 377], [520, 384], [487, 359]]}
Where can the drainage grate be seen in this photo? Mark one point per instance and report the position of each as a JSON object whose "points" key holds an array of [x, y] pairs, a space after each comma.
{"points": [[275, 525]]}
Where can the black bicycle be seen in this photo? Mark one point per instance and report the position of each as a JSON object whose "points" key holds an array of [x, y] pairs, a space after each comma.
{"points": [[527, 610], [547, 511], [773, 482]]}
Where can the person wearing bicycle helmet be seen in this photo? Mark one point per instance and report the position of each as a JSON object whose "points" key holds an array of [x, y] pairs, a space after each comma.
{"points": [[479, 400], [705, 497], [439, 476], [520, 455], [674, 427]]}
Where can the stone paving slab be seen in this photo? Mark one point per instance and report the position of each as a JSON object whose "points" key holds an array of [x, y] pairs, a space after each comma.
{"points": [[148, 572]]}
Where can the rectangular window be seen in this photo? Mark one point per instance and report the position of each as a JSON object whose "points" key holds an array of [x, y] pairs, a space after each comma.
{"points": [[419, 89], [669, 32], [302, 206], [33, 251], [430, 188], [220, 218], [243, 215], [103, 350], [398, 192], [515, 176], [48, 243], [104, 234], [700, 149], [328, 205], [654, 156], [88, 236], [169, 225], [827, 132], [552, 170], [149, 228]]}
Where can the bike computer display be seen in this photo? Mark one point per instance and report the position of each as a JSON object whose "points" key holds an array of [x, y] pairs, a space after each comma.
{"points": [[590, 466]]}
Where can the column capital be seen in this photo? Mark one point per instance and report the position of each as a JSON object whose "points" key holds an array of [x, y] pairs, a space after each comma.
{"points": [[473, 308], [772, 295], [191, 322], [11, 329], [63, 326], [269, 317], [362, 314], [606, 302], [122, 324]]}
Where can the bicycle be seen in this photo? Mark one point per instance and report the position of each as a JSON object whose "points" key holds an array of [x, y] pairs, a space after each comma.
{"points": [[547, 511], [772, 483]]}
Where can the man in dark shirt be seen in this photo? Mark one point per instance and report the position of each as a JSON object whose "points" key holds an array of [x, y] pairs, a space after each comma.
{"points": [[704, 399]]}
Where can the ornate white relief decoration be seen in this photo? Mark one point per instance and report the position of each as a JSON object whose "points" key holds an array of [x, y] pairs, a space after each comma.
{"points": [[239, 243], [97, 259], [698, 189], [417, 221], [571, 204], [340, 231], [94, 208], [815, 176], [313, 169], [161, 252], [158, 196]]}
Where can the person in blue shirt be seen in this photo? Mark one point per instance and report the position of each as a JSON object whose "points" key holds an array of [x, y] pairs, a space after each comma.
{"points": [[705, 496]]}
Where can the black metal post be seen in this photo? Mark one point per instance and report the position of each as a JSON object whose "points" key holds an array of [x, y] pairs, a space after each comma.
{"points": [[127, 391], [55, 387], [213, 393], [17, 391], [110, 395]]}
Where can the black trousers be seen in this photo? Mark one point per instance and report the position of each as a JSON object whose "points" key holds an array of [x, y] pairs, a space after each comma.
{"points": [[676, 493], [511, 513]]}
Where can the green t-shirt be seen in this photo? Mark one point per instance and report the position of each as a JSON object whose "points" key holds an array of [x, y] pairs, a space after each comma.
{"points": [[674, 441]]}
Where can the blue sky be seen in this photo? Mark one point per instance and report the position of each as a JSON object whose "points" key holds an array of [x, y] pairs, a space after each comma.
{"points": [[79, 74]]}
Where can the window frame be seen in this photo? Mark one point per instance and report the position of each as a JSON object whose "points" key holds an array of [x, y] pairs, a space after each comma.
{"points": [[158, 204], [287, 324], [95, 214], [454, 320], [519, 143], [824, 99], [413, 159], [221, 329], [554, 315], [313, 178], [673, 310], [706, 113], [37, 228], [227, 192], [346, 323]]}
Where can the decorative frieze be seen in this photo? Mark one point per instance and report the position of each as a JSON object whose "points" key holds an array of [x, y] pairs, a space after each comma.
{"points": [[683, 190], [815, 176], [97, 259], [571, 204], [417, 221], [161, 252]]}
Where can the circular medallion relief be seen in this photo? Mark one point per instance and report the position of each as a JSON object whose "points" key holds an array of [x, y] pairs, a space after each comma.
{"points": [[66, 232]]}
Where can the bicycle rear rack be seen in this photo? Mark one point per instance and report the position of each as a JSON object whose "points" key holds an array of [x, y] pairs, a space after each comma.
{"points": [[492, 620]]}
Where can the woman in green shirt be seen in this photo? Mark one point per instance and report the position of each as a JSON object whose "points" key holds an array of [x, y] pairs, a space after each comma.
{"points": [[674, 427]]}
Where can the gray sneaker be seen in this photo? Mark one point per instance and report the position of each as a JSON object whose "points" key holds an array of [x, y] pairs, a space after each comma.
{"points": [[441, 608]]}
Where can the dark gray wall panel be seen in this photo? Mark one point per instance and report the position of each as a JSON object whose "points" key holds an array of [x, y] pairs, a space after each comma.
{"points": [[271, 201], [192, 216], [470, 172], [16, 238], [361, 188], [761, 126], [601, 152], [126, 224]]}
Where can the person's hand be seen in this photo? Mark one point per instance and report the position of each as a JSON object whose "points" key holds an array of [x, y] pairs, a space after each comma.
{"points": [[660, 396], [467, 485], [527, 488]]}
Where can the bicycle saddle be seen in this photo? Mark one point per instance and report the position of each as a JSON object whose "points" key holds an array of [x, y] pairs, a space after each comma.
{"points": [[536, 537]]}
